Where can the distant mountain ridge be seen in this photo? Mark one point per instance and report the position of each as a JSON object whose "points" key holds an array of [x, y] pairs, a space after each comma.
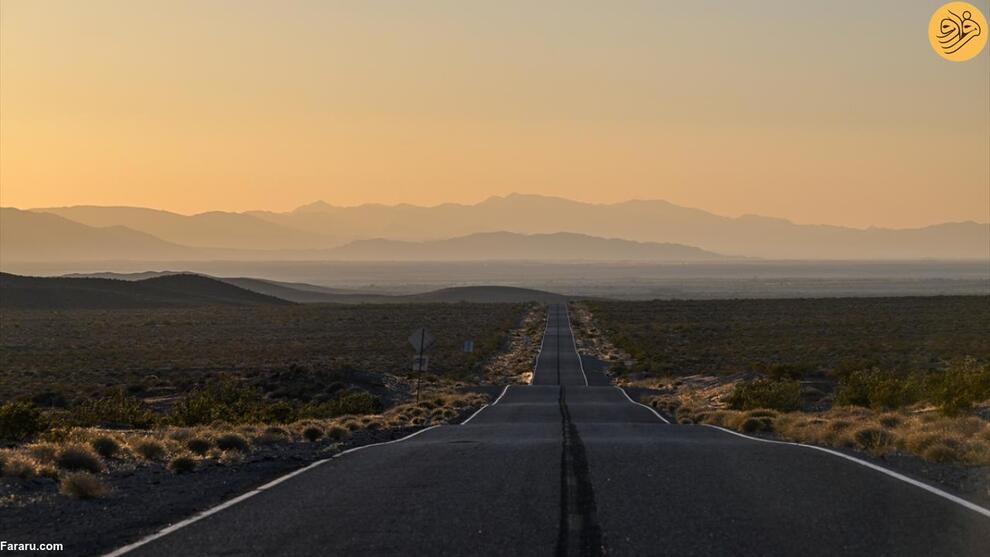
{"points": [[214, 229], [644, 221], [31, 236], [310, 229]]}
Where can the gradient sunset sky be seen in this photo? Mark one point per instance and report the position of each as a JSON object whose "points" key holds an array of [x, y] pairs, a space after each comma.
{"points": [[821, 112]]}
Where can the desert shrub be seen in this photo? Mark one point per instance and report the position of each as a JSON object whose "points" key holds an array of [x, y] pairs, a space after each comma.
{"points": [[665, 403], [872, 438], [182, 464], [337, 433], [784, 372], [278, 412], [199, 445], [223, 401], [43, 453], [312, 433], [272, 435], [753, 425], [917, 441], [232, 442], [941, 452], [963, 384], [877, 389], [181, 434], [784, 396], [149, 449], [953, 390], [118, 410], [82, 485], [890, 421], [762, 413], [78, 458], [105, 446], [20, 421], [354, 402], [360, 402], [19, 466]]}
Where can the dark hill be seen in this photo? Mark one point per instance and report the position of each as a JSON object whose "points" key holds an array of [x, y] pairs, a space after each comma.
{"points": [[183, 290]]}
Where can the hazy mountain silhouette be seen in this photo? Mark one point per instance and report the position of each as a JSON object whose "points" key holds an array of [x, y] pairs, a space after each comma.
{"points": [[512, 246], [181, 290], [39, 236], [320, 226], [214, 229], [29, 236], [648, 221]]}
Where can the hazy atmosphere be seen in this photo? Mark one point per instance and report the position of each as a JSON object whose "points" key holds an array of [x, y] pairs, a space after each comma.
{"points": [[856, 122]]}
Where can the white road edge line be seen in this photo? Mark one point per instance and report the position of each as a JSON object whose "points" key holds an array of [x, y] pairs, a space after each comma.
{"points": [[567, 313], [650, 408], [478, 411], [931, 489], [231, 502]]}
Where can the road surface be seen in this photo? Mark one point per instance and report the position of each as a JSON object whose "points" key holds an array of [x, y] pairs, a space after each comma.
{"points": [[571, 466]]}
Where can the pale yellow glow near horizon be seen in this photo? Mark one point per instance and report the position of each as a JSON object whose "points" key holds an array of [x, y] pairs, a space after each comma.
{"points": [[827, 112]]}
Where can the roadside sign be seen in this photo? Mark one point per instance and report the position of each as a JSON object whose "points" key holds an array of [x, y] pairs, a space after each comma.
{"points": [[421, 363], [421, 340], [469, 346]]}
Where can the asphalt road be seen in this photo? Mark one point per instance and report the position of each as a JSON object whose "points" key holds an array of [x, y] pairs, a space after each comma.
{"points": [[564, 468]]}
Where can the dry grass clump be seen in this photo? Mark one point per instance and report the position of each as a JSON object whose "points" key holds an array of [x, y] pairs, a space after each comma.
{"points": [[935, 438], [272, 435], [199, 445], [872, 438], [105, 446], [148, 448], [82, 485], [232, 442], [182, 464], [78, 458], [181, 434], [890, 420], [941, 452], [337, 433], [312, 433], [43, 453], [19, 466]]}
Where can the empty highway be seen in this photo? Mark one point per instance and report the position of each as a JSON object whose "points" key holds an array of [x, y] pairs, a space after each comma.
{"points": [[571, 466]]}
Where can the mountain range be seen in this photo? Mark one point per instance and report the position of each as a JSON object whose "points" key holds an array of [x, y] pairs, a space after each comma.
{"points": [[532, 227]]}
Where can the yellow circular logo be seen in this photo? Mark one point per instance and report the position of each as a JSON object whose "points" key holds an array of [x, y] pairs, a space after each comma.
{"points": [[958, 31]]}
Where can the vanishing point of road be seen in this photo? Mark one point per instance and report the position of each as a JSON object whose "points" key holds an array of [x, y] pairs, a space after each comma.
{"points": [[571, 466]]}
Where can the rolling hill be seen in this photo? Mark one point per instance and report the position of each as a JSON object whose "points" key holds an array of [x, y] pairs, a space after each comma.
{"points": [[309, 293], [180, 290]]}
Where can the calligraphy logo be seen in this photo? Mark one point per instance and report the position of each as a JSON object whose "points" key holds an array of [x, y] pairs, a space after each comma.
{"points": [[958, 31]]}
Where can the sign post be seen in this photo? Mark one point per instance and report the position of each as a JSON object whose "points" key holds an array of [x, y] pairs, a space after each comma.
{"points": [[421, 341]]}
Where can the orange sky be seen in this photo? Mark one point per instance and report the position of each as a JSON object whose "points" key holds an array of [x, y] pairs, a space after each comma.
{"points": [[833, 113]]}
